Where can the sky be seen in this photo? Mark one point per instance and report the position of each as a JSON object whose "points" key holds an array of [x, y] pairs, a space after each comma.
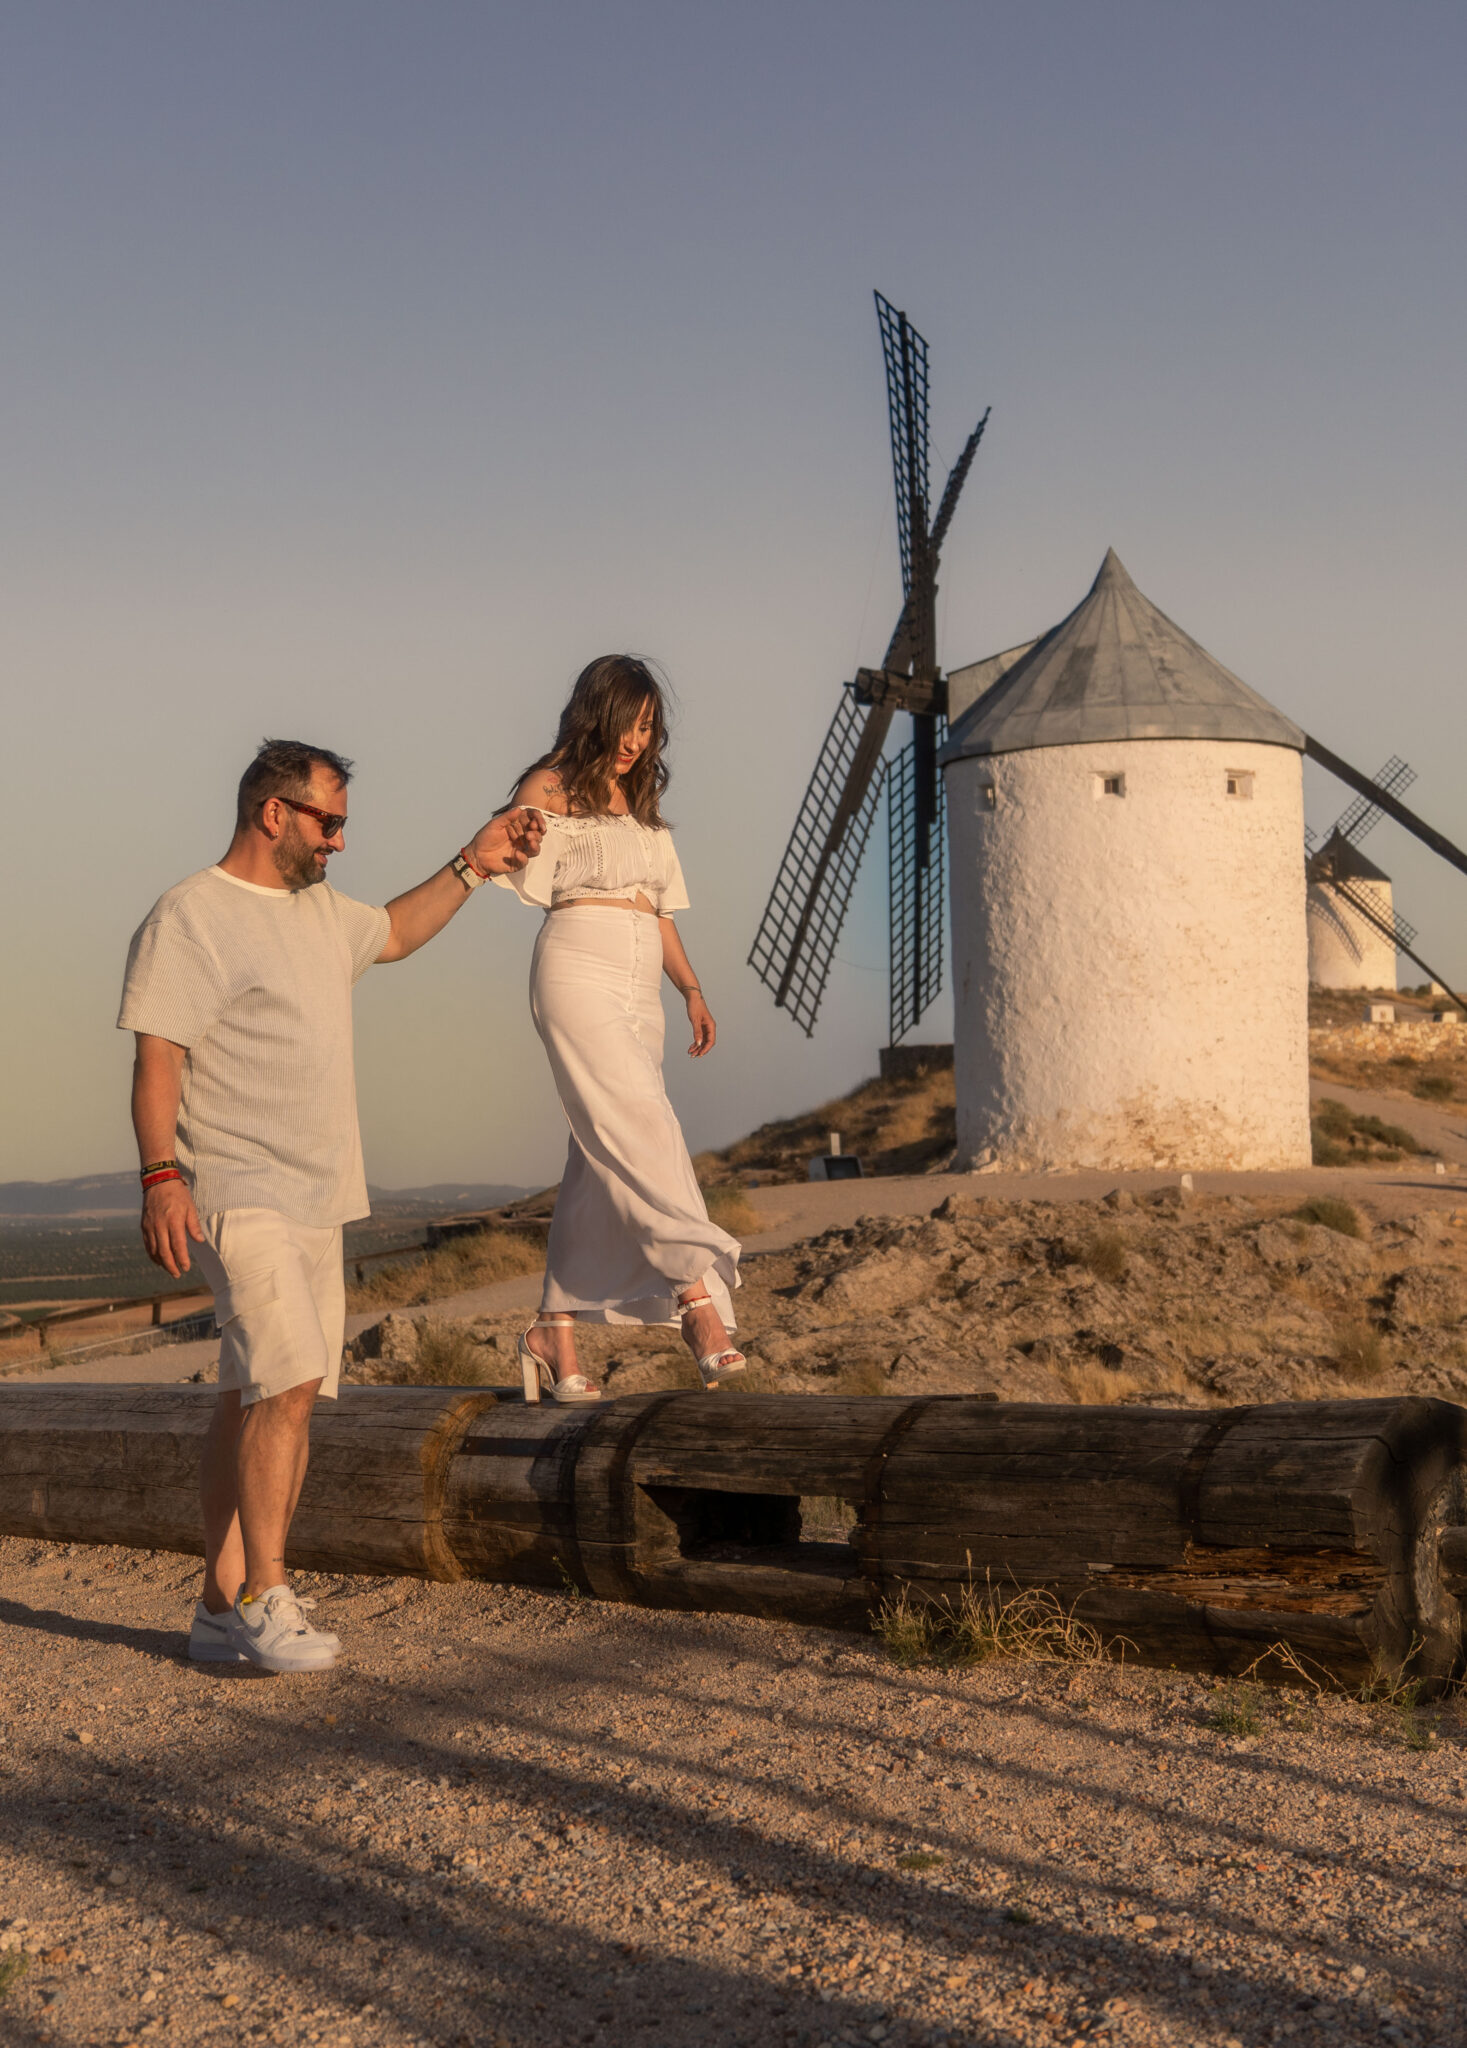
{"points": [[369, 368]]}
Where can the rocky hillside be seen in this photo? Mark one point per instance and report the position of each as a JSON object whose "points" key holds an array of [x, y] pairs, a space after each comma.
{"points": [[894, 1126], [1168, 1299]]}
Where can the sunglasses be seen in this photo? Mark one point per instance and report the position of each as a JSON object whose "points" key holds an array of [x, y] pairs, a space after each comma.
{"points": [[331, 822]]}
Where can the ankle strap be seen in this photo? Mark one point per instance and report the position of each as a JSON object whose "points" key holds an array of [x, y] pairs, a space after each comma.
{"points": [[553, 1319]]}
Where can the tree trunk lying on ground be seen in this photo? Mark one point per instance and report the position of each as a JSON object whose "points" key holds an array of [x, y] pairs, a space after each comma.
{"points": [[1198, 1538]]}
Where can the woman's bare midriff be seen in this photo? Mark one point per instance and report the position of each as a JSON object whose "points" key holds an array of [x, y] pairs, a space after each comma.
{"points": [[639, 902]]}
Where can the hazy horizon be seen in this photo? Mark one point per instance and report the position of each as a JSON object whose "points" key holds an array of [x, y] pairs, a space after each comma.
{"points": [[370, 369]]}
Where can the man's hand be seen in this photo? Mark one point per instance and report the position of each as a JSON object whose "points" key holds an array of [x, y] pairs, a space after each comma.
{"points": [[169, 1221], [508, 841]]}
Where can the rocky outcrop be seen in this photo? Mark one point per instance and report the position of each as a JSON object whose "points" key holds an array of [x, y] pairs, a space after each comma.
{"points": [[1167, 1299]]}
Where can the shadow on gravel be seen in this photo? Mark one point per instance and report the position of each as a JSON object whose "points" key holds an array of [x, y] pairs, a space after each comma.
{"points": [[165, 1644], [450, 1962]]}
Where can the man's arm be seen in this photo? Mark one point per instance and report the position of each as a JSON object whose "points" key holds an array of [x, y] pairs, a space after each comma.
{"points": [[169, 1216], [504, 844]]}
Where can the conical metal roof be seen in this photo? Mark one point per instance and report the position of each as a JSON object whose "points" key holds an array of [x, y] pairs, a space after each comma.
{"points": [[1115, 669], [1341, 857]]}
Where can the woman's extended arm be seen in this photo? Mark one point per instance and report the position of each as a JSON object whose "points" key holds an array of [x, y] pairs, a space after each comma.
{"points": [[678, 969]]}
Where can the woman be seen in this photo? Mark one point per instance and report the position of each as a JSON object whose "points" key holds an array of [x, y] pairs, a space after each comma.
{"points": [[631, 1241]]}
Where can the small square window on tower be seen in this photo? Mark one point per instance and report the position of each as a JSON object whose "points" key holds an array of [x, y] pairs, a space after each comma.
{"points": [[1110, 785], [1240, 783], [987, 796]]}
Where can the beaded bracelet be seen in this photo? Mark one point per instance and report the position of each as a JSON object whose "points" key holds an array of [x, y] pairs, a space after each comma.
{"points": [[155, 1166]]}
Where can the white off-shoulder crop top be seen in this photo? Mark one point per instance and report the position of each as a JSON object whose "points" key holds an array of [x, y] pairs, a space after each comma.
{"points": [[582, 860]]}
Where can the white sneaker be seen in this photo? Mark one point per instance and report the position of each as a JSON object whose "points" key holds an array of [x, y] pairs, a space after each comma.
{"points": [[272, 1631], [208, 1639]]}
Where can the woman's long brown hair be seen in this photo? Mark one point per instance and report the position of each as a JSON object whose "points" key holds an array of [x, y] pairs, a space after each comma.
{"points": [[608, 699]]}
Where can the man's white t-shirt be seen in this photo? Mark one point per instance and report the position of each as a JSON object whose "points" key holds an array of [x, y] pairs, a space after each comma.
{"points": [[257, 984]]}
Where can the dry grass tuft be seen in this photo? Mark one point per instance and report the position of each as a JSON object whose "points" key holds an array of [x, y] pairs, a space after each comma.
{"points": [[1096, 1385], [1032, 1624], [730, 1208], [453, 1269], [1359, 1352], [862, 1376]]}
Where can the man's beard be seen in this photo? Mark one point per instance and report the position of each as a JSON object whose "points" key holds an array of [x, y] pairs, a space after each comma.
{"points": [[295, 861]]}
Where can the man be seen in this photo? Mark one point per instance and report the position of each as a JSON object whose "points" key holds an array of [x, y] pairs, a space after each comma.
{"points": [[239, 988]]}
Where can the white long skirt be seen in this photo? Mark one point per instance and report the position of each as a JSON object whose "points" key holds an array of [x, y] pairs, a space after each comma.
{"points": [[631, 1231]]}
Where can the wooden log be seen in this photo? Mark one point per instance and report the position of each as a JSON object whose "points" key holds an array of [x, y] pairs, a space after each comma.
{"points": [[1199, 1538]]}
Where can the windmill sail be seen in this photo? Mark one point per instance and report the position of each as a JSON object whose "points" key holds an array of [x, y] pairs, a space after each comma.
{"points": [[1382, 799], [1396, 929], [1365, 812], [918, 887], [1372, 799], [795, 944], [904, 353]]}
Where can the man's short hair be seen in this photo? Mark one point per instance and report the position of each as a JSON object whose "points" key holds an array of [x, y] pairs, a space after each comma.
{"points": [[284, 768]]}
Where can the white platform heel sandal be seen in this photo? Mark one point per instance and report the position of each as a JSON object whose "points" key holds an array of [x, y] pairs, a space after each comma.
{"points": [[717, 1365], [575, 1390]]}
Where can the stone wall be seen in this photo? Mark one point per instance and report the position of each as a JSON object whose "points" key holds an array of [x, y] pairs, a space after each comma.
{"points": [[1419, 1037]]}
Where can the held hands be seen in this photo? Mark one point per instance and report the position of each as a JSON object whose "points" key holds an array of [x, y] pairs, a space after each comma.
{"points": [[705, 1031], [508, 841], [169, 1221]]}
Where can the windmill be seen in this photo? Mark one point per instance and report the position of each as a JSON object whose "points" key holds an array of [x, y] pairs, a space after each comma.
{"points": [[1331, 867], [797, 936]]}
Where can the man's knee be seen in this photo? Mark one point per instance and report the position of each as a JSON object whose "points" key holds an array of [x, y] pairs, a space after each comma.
{"points": [[291, 1406]]}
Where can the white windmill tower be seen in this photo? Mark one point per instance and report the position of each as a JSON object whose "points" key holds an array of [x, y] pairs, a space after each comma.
{"points": [[1347, 947], [1129, 948]]}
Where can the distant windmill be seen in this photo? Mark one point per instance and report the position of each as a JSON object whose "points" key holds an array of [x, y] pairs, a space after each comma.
{"points": [[1338, 871], [807, 906]]}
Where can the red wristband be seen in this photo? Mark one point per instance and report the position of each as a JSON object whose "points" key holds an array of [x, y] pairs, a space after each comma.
{"points": [[154, 1180], [465, 855]]}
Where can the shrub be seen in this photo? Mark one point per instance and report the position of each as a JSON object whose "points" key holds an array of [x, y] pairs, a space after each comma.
{"points": [[1341, 1137], [1105, 1255], [1434, 1087], [1235, 1710], [1331, 1213]]}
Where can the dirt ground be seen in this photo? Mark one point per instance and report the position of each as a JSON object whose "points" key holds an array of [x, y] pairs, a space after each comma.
{"points": [[522, 1818]]}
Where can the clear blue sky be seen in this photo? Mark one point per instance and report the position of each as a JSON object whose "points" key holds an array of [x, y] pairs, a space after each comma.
{"points": [[368, 368]]}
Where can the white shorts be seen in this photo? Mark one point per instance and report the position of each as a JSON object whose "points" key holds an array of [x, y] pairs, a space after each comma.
{"points": [[279, 1300]]}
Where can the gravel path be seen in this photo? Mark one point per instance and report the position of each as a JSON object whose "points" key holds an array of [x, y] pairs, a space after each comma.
{"points": [[517, 1818]]}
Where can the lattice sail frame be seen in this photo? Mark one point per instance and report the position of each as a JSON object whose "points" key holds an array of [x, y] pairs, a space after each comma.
{"points": [[1362, 815], [904, 354], [795, 944], [918, 907]]}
